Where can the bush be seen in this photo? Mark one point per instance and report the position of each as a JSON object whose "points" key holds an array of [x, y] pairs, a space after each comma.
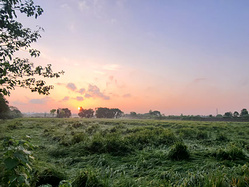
{"points": [[17, 162], [179, 151]]}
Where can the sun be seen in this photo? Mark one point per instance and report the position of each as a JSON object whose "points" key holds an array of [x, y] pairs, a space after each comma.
{"points": [[79, 107]]}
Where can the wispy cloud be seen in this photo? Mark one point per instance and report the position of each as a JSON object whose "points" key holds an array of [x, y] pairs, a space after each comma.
{"points": [[83, 5], [94, 91], [199, 80], [79, 98], [71, 86], [82, 91], [40, 101], [66, 98]]}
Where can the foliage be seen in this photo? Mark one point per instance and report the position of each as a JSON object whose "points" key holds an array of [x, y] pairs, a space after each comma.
{"points": [[4, 107], [52, 112], [63, 113], [243, 112], [228, 114], [15, 37], [86, 113], [120, 152], [108, 113], [15, 112], [17, 159], [155, 113], [179, 151]]}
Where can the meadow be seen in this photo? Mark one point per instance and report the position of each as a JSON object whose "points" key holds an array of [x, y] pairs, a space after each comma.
{"points": [[122, 152]]}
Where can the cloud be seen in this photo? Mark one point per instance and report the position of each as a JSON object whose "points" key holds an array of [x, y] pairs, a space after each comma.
{"points": [[18, 103], [82, 91], [79, 98], [71, 86], [60, 84], [40, 101], [83, 5], [65, 98], [94, 91], [127, 95], [87, 95]]}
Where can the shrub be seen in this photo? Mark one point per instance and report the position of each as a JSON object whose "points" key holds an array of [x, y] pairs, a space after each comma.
{"points": [[17, 162], [179, 151]]}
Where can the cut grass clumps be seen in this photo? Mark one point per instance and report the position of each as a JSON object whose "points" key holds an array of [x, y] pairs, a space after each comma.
{"points": [[113, 144], [87, 178], [230, 153], [202, 135], [50, 176], [222, 137], [179, 151], [151, 136], [79, 137]]}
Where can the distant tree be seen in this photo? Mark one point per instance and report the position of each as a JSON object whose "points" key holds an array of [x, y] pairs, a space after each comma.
{"points": [[15, 71], [108, 113], [15, 112], [63, 113], [115, 113], [155, 113], [228, 114], [243, 112], [52, 112], [218, 116], [133, 114], [235, 114], [86, 113]]}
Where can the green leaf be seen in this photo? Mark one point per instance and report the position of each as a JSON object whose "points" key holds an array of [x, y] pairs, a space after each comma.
{"points": [[10, 163]]}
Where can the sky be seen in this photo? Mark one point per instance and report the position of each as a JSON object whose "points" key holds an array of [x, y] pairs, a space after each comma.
{"points": [[175, 56]]}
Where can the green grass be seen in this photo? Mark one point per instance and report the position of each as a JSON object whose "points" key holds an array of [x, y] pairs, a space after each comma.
{"points": [[116, 152]]}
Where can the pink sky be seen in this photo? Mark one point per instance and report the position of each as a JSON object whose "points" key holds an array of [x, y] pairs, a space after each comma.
{"points": [[175, 57]]}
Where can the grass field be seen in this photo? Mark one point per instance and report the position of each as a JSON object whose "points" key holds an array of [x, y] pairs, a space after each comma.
{"points": [[119, 152]]}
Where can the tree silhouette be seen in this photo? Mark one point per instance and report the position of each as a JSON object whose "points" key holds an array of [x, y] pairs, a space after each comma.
{"points": [[14, 37], [86, 113]]}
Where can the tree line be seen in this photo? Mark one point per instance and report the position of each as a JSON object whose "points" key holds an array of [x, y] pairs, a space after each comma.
{"points": [[101, 112]]}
